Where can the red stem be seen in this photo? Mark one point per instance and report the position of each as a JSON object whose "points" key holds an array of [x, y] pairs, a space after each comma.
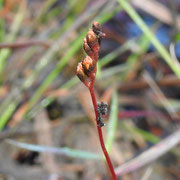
{"points": [[108, 160], [91, 47]]}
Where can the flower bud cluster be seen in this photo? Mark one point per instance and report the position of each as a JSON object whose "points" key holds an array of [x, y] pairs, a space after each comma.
{"points": [[86, 70]]}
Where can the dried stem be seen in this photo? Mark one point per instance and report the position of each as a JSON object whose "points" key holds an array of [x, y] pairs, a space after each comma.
{"points": [[25, 44]]}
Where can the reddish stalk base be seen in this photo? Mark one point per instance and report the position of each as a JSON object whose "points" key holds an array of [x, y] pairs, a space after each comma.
{"points": [[108, 160]]}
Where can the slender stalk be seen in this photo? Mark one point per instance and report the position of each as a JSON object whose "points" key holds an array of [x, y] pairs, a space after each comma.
{"points": [[108, 160], [86, 71]]}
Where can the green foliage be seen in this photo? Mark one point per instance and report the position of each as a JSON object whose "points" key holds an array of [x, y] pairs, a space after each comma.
{"points": [[113, 120]]}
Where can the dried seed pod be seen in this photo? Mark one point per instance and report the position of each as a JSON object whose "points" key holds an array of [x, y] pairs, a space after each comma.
{"points": [[98, 30], [81, 75], [88, 65], [96, 27], [93, 41], [80, 72], [87, 49]]}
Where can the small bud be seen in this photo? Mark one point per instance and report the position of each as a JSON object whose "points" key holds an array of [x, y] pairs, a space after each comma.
{"points": [[93, 41], [96, 27], [87, 49], [80, 72], [88, 65], [98, 30], [81, 75]]}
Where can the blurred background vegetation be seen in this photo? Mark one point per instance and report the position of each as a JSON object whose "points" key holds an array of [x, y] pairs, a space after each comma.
{"points": [[46, 115]]}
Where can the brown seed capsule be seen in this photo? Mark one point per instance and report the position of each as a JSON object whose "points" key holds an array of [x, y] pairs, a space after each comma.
{"points": [[96, 27], [88, 65], [98, 30], [87, 49], [92, 40], [81, 75], [80, 72]]}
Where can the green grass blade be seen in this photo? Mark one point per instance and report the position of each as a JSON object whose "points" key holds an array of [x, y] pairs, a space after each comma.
{"points": [[112, 123], [7, 114], [69, 84], [4, 53], [1, 24], [147, 136]]}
